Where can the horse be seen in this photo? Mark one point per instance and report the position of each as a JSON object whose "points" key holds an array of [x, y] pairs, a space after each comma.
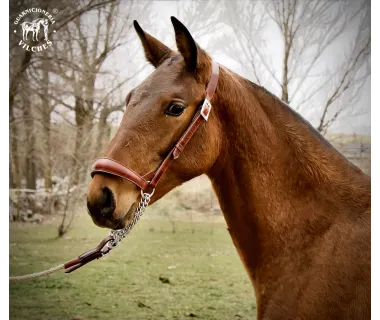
{"points": [[29, 27], [298, 211], [34, 27]]}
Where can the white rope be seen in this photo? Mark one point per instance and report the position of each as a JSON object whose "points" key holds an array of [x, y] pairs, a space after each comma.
{"points": [[37, 274]]}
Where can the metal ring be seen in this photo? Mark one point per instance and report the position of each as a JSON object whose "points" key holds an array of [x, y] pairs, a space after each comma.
{"points": [[112, 244], [151, 194]]}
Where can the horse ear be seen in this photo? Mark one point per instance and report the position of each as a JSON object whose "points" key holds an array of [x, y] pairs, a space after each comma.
{"points": [[155, 51], [186, 45]]}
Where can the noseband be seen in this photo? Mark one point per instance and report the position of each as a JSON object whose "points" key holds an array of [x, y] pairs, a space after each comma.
{"points": [[110, 166]]}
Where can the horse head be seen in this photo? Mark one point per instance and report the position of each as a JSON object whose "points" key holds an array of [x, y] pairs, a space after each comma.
{"points": [[158, 111]]}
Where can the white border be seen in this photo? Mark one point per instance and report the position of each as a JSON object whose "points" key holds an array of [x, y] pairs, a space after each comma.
{"points": [[4, 159], [4, 162], [374, 166]]}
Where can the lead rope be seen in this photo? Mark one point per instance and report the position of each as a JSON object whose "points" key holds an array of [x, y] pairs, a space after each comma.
{"points": [[117, 236], [37, 274]]}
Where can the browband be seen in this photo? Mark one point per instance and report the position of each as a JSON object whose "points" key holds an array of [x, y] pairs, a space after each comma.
{"points": [[110, 166]]}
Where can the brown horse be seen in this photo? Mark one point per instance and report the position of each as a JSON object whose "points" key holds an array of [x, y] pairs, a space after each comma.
{"points": [[298, 212]]}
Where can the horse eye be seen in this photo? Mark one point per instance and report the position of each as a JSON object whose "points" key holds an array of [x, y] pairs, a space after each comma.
{"points": [[174, 110]]}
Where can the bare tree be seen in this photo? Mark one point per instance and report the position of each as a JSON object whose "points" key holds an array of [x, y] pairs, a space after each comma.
{"points": [[21, 61], [62, 100], [247, 20], [81, 63], [201, 17], [47, 107], [310, 31]]}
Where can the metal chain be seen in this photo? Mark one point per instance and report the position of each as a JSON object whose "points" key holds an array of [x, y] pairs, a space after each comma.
{"points": [[119, 234]]}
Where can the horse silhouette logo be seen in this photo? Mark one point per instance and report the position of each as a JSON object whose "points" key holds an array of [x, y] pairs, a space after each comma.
{"points": [[35, 33], [35, 27]]}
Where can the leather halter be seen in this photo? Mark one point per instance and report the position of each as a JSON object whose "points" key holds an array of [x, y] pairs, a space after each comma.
{"points": [[110, 166]]}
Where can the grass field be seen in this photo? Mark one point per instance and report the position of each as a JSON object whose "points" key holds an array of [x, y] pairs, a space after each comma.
{"points": [[206, 278]]}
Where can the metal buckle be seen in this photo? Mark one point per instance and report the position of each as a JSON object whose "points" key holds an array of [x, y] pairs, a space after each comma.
{"points": [[206, 108]]}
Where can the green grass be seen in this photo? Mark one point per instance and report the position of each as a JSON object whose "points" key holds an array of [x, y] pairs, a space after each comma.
{"points": [[209, 281]]}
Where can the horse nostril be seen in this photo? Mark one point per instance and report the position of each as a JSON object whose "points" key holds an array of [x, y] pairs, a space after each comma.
{"points": [[102, 204], [108, 202]]}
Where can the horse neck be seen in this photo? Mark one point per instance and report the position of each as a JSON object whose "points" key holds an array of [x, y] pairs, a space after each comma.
{"points": [[276, 176]]}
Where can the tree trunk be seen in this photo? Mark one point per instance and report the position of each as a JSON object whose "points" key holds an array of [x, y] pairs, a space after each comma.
{"points": [[79, 119], [48, 163], [46, 112], [15, 177], [87, 142], [14, 170], [103, 134], [285, 70], [89, 105], [30, 163], [84, 124]]}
